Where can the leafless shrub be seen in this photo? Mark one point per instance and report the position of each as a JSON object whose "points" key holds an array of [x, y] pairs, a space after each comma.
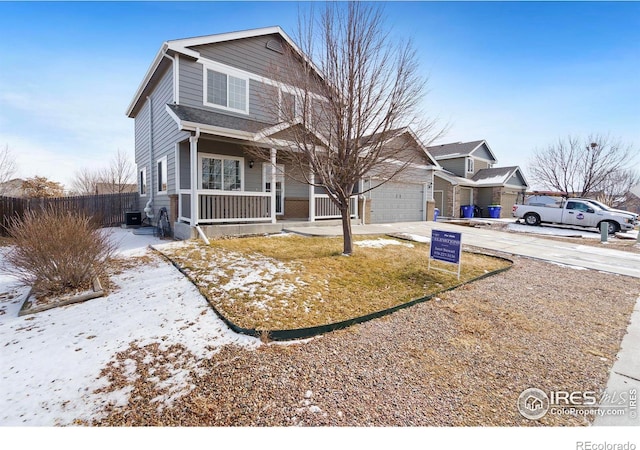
{"points": [[57, 251]]}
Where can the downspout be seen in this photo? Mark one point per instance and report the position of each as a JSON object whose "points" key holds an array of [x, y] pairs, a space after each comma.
{"points": [[194, 203], [148, 210]]}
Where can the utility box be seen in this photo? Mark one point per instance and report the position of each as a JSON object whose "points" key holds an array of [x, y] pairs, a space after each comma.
{"points": [[133, 219]]}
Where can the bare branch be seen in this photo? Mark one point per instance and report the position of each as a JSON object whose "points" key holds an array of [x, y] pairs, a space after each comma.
{"points": [[344, 118]]}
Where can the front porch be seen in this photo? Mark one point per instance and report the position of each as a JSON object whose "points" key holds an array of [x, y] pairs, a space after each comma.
{"points": [[186, 231], [220, 184]]}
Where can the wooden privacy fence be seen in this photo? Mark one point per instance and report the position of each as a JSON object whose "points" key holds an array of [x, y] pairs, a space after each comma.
{"points": [[106, 210]]}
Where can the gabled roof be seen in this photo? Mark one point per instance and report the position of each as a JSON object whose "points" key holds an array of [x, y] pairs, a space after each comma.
{"points": [[497, 176], [398, 132], [181, 46], [458, 150]]}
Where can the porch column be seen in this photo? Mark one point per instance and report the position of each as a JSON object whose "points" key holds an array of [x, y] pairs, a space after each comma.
{"points": [[312, 198], [193, 158], [273, 185]]}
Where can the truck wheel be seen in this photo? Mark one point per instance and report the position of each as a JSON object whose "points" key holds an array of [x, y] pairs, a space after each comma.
{"points": [[532, 219], [612, 227]]}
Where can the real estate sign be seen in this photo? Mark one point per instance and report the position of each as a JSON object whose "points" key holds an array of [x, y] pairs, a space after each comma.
{"points": [[446, 246]]}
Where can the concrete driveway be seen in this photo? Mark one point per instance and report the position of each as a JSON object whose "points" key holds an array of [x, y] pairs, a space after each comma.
{"points": [[573, 254]]}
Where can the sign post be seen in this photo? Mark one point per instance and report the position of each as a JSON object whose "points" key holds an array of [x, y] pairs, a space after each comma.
{"points": [[446, 246]]}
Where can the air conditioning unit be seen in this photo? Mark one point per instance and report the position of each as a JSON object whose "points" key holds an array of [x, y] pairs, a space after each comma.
{"points": [[133, 218]]}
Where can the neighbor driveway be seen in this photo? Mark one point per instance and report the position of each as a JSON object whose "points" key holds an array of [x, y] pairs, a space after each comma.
{"points": [[573, 254]]}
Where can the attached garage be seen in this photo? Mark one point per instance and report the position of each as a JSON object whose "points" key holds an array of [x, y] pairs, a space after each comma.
{"points": [[397, 202], [508, 199]]}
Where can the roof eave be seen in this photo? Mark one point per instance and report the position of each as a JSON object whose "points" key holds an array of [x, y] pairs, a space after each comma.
{"points": [[147, 77]]}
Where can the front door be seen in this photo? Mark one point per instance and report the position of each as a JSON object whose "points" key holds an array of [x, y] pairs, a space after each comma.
{"points": [[266, 183]]}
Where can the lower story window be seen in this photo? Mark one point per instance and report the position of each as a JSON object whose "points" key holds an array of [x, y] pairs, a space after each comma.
{"points": [[221, 172], [142, 181]]}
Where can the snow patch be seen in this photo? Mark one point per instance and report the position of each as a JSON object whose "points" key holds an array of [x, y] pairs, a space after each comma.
{"points": [[380, 243]]}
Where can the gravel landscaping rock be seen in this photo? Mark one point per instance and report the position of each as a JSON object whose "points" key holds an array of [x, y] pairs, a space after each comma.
{"points": [[459, 360]]}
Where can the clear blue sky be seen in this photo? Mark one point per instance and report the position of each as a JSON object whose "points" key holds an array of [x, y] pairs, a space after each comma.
{"points": [[518, 74]]}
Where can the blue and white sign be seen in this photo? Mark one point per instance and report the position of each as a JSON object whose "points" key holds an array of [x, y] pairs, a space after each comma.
{"points": [[446, 246]]}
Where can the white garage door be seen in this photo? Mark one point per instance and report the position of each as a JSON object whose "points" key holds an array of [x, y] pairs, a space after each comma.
{"points": [[397, 202]]}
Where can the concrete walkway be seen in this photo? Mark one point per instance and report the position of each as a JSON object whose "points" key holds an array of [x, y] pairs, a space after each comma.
{"points": [[573, 254], [625, 374]]}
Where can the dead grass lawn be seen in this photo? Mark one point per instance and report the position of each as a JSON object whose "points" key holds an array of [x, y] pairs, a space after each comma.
{"points": [[279, 283]]}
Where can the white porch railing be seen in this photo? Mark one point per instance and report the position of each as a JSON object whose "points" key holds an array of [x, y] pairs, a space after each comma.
{"points": [[226, 206], [326, 209]]}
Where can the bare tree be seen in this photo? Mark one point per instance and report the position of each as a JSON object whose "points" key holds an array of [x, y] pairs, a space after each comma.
{"points": [[120, 174], [613, 191], [85, 182], [339, 112], [7, 167], [115, 179], [581, 166]]}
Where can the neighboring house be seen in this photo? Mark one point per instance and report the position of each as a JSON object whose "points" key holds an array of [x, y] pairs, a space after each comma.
{"points": [[198, 108], [470, 178], [12, 188], [112, 188]]}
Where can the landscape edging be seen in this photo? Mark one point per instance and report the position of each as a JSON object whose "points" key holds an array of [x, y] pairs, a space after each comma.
{"points": [[308, 332]]}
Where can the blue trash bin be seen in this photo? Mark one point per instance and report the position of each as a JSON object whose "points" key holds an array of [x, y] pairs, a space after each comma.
{"points": [[466, 211], [436, 213], [494, 211]]}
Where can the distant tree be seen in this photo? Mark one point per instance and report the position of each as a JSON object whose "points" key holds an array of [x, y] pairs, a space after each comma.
{"points": [[338, 124], [40, 187], [115, 179], [614, 190], [581, 166], [119, 175], [7, 167], [85, 182]]}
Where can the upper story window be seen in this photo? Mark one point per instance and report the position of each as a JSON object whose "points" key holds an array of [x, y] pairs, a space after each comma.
{"points": [[222, 90], [470, 165]]}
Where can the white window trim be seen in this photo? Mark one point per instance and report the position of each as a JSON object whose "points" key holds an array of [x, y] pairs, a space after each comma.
{"points": [[226, 71], [142, 171], [470, 165], [266, 178], [214, 156], [164, 174]]}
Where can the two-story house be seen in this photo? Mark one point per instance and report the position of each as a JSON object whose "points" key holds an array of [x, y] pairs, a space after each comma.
{"points": [[199, 106], [469, 178]]}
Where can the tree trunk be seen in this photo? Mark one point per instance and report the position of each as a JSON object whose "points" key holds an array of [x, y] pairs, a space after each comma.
{"points": [[346, 230]]}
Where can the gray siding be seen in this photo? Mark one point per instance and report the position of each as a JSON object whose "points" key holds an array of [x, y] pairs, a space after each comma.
{"points": [[165, 135], [249, 54], [191, 83], [516, 180], [456, 165], [482, 152], [192, 93]]}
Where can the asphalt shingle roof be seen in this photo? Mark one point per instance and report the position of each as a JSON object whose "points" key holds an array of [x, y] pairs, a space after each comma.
{"points": [[197, 115], [454, 150]]}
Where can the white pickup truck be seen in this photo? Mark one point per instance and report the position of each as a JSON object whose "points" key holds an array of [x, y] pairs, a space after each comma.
{"points": [[573, 212]]}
